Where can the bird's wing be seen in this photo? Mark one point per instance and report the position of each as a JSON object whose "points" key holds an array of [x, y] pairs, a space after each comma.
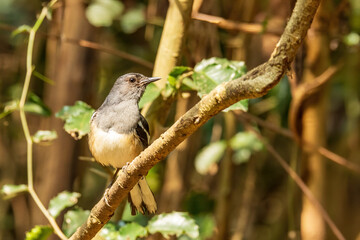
{"points": [[142, 130]]}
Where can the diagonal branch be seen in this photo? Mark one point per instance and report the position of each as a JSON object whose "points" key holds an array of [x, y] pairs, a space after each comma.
{"points": [[255, 83], [301, 185]]}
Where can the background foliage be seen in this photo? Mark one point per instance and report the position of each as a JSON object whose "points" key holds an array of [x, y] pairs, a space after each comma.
{"points": [[221, 183]]}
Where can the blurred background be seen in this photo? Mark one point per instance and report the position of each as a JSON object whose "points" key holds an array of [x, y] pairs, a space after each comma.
{"points": [[239, 194]]}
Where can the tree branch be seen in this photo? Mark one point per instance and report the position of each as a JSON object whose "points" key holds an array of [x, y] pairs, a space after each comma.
{"points": [[255, 83]]}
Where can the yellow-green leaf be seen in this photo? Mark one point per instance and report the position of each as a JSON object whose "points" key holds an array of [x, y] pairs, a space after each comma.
{"points": [[77, 119], [44, 136], [10, 190], [39, 233]]}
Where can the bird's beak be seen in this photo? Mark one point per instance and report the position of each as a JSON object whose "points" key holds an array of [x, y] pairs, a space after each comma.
{"points": [[146, 81]]}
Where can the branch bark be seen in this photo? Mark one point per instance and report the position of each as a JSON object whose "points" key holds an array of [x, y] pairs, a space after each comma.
{"points": [[255, 83]]}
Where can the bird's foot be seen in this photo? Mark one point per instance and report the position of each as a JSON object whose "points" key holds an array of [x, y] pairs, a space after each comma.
{"points": [[106, 193], [123, 169]]}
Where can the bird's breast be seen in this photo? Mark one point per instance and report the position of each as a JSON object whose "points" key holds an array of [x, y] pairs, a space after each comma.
{"points": [[112, 148]]}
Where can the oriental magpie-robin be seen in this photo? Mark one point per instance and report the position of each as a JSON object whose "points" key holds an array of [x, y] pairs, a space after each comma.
{"points": [[118, 133]]}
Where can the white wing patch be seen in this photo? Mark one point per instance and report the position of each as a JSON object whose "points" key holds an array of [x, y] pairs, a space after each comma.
{"points": [[143, 128]]}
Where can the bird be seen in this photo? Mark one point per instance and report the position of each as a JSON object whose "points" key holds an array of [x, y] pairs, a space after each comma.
{"points": [[118, 133]]}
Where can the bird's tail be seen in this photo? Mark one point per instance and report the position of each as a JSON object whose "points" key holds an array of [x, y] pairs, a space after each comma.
{"points": [[142, 199]]}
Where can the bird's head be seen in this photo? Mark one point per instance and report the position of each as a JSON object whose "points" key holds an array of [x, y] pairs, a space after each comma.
{"points": [[131, 86]]}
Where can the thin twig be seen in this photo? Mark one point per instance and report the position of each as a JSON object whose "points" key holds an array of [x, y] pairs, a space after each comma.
{"points": [[308, 146], [91, 45], [303, 92], [300, 183], [99, 47], [24, 123], [252, 28]]}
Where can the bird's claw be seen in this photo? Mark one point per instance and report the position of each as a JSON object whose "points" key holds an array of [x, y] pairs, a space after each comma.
{"points": [[123, 169]]}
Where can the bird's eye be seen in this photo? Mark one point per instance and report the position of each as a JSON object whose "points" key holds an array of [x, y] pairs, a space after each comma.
{"points": [[132, 80]]}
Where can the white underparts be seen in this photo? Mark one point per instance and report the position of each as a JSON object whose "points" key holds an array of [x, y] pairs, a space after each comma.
{"points": [[114, 149]]}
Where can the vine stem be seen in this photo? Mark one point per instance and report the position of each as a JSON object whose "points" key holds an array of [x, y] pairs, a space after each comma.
{"points": [[25, 126]]}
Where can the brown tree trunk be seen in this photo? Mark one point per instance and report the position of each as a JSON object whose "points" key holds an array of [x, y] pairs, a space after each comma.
{"points": [[177, 174], [222, 210], [313, 125], [68, 65]]}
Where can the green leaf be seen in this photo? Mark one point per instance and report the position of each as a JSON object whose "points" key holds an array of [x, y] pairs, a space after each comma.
{"points": [[101, 13], [39, 233], [9, 108], [154, 178], [21, 29], [177, 71], [242, 156], [98, 15], [34, 104], [175, 223], [241, 105], [138, 218], [244, 144], [74, 219], [133, 19], [209, 155], [245, 140], [209, 73], [132, 231], [150, 94], [61, 201], [352, 39], [188, 85], [10, 191], [206, 224], [77, 119], [44, 136], [121, 231], [175, 74], [109, 232]]}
